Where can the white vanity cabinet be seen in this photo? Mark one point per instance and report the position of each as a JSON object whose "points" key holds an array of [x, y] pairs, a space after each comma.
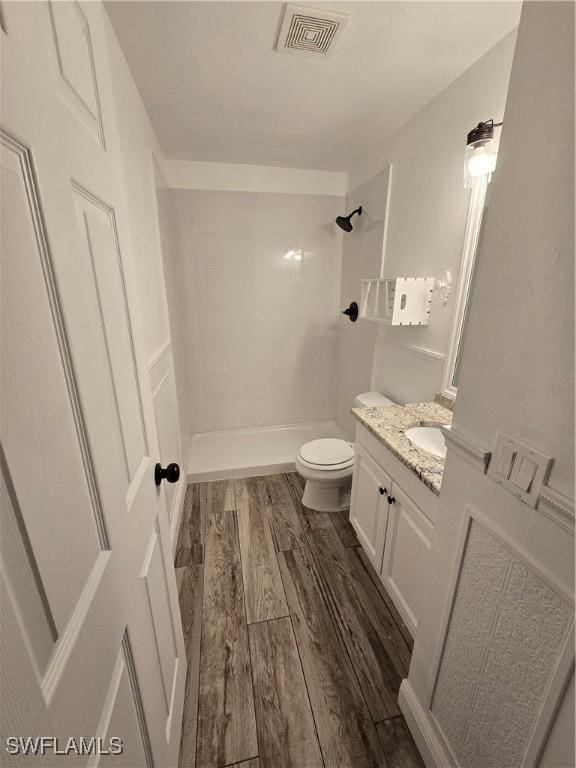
{"points": [[406, 555], [393, 515], [371, 487]]}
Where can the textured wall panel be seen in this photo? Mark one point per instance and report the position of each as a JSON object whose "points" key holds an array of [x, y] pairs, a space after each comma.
{"points": [[502, 646]]}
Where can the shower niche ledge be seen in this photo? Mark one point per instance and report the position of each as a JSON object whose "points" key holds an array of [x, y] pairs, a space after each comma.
{"points": [[397, 300]]}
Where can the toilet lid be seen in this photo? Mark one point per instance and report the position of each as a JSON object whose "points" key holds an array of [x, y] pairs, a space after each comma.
{"points": [[327, 452]]}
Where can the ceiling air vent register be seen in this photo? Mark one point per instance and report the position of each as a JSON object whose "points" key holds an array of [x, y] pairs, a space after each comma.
{"points": [[310, 31]]}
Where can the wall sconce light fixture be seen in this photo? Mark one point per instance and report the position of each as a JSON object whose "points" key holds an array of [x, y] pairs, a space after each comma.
{"points": [[480, 156]]}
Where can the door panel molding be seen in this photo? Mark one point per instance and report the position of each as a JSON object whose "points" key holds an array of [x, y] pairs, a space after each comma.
{"points": [[23, 576], [136, 693], [29, 180], [65, 645], [124, 674], [154, 575], [89, 114], [99, 277]]}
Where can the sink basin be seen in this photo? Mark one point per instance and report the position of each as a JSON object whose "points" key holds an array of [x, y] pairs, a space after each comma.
{"points": [[430, 439]]}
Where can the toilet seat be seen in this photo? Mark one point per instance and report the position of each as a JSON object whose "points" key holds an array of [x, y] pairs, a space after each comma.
{"points": [[327, 454], [324, 468]]}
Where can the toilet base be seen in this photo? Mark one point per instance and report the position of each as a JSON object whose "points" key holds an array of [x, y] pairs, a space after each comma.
{"points": [[323, 497]]}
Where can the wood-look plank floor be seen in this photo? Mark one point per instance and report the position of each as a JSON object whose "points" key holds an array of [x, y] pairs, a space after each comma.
{"points": [[226, 719], [190, 546], [378, 665], [284, 520], [264, 593], [295, 650], [190, 587], [286, 730], [346, 733]]}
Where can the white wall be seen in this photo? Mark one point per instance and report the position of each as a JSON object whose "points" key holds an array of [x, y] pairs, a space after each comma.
{"points": [[361, 257], [516, 376], [260, 329], [518, 364], [428, 210]]}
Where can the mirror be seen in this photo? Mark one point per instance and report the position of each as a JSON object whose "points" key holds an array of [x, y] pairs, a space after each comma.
{"points": [[478, 204]]}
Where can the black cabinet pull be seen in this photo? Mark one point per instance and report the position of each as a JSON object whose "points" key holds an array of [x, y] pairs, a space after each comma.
{"points": [[170, 473], [383, 490], [391, 499]]}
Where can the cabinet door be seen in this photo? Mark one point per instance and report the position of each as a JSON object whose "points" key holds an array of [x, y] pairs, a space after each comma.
{"points": [[369, 508], [406, 556]]}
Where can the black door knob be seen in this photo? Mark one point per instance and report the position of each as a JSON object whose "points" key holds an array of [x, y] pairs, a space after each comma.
{"points": [[352, 312], [383, 491], [391, 499], [170, 473]]}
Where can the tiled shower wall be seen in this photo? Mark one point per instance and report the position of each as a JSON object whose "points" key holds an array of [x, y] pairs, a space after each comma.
{"points": [[262, 276]]}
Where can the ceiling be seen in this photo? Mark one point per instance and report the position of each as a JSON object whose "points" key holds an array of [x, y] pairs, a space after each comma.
{"points": [[216, 89]]}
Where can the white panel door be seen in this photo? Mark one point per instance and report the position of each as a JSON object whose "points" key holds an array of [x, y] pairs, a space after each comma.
{"points": [[369, 505], [91, 639], [406, 556]]}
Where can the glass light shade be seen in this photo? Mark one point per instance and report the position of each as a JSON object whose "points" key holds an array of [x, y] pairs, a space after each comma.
{"points": [[479, 162]]}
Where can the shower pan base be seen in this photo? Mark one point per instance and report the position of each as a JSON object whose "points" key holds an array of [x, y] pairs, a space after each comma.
{"points": [[258, 451]]}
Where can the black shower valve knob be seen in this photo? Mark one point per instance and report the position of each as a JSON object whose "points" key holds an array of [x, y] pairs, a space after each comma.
{"points": [[351, 312]]}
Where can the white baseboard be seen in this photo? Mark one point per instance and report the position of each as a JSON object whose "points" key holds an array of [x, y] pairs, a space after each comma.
{"points": [[423, 730], [177, 513]]}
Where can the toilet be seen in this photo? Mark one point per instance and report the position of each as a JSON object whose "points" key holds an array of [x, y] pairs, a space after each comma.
{"points": [[327, 465]]}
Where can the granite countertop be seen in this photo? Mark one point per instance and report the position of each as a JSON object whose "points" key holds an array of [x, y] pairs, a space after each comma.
{"points": [[389, 423]]}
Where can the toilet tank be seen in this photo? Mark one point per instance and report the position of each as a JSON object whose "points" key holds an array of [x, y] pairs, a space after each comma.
{"points": [[371, 400]]}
